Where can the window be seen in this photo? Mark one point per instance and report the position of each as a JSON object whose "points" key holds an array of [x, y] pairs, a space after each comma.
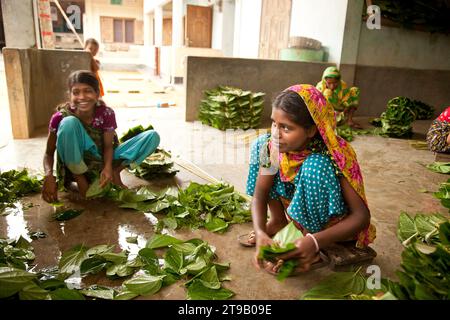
{"points": [[123, 30]]}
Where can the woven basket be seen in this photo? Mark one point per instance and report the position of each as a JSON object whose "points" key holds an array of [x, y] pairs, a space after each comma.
{"points": [[304, 43]]}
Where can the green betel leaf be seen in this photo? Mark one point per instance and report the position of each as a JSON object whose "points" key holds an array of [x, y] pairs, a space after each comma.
{"points": [[120, 270], [33, 292], [161, 241], [103, 248], [173, 260], [13, 280], [287, 235], [125, 295], [66, 214], [116, 258], [132, 240], [197, 291], [144, 284], [98, 292], [210, 279], [71, 260], [337, 286], [216, 225], [158, 206], [406, 228], [93, 265], [66, 294], [95, 191]]}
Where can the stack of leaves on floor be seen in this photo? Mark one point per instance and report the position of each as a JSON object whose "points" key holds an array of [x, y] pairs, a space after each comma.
{"points": [[424, 274], [211, 206], [192, 261], [15, 184], [283, 242], [397, 120], [157, 165], [400, 113], [231, 108]]}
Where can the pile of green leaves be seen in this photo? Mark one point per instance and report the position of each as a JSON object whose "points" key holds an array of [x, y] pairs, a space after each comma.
{"points": [[158, 165], [443, 194], [211, 206], [283, 242], [400, 113], [132, 132], [15, 184], [231, 108], [192, 261], [440, 167], [424, 273], [397, 120], [426, 258]]}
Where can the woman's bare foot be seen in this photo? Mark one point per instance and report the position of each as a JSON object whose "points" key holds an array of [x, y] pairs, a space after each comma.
{"points": [[117, 180], [82, 184]]}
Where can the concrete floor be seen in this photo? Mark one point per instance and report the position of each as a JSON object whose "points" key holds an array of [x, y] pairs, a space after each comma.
{"points": [[392, 169]]}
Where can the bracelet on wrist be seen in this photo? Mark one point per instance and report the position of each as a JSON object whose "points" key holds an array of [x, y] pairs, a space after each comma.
{"points": [[315, 241]]}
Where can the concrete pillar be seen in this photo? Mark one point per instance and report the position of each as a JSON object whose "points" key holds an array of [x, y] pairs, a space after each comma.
{"points": [[158, 26], [148, 29], [177, 23], [18, 20], [350, 42], [228, 9]]}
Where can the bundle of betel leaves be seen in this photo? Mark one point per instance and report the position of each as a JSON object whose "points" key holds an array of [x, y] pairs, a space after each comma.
{"points": [[159, 262], [424, 274], [15, 184], [400, 113], [231, 108], [157, 165]]}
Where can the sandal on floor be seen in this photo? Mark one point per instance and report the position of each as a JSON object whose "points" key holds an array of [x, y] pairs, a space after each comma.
{"points": [[245, 239], [323, 262]]}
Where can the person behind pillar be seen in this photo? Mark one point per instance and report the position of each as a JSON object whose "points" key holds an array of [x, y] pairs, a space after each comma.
{"points": [[91, 45]]}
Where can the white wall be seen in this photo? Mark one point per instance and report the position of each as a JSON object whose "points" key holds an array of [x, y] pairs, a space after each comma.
{"points": [[403, 48], [247, 27], [323, 20], [223, 27]]}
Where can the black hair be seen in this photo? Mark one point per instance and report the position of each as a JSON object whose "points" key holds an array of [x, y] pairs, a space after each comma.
{"points": [[296, 109], [91, 41], [85, 77]]}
